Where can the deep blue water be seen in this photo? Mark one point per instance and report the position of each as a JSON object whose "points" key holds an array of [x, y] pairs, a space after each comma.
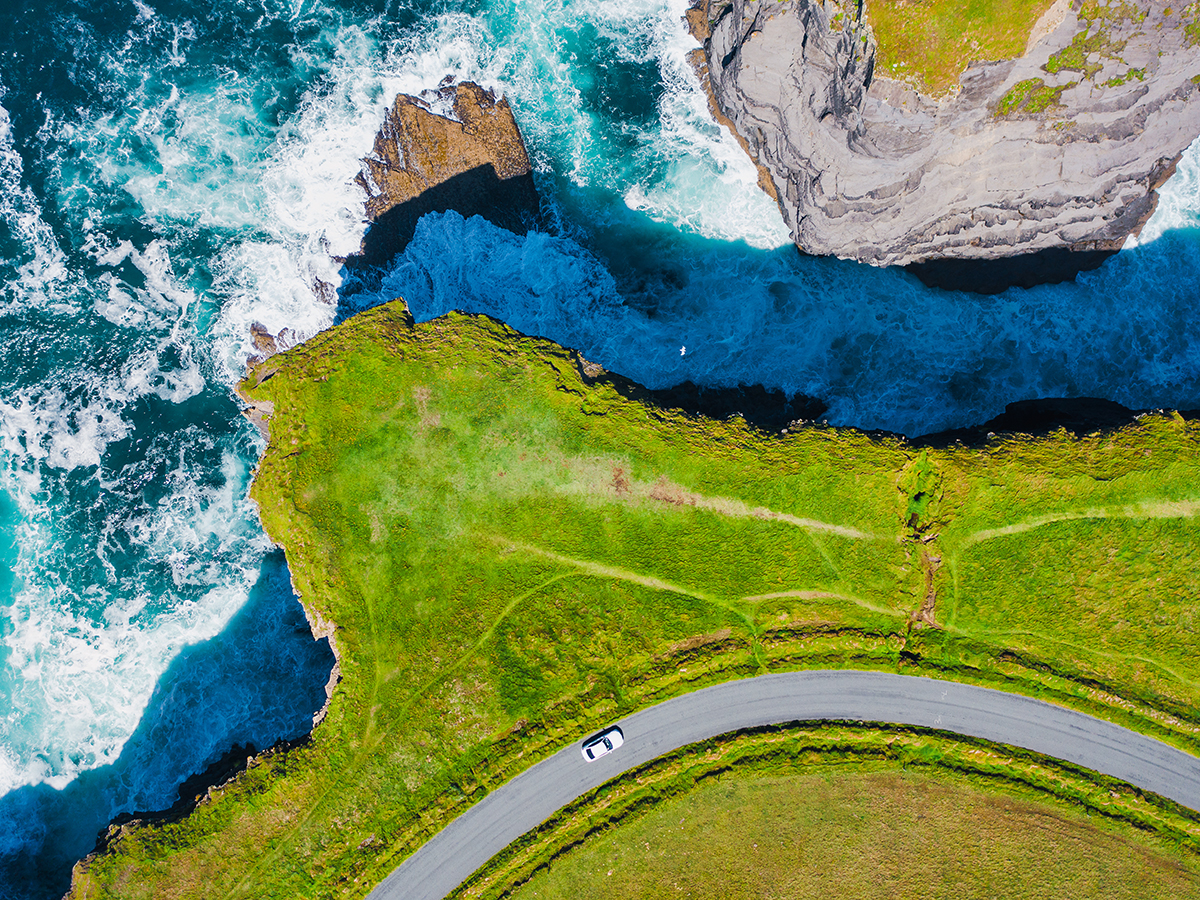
{"points": [[171, 173]]}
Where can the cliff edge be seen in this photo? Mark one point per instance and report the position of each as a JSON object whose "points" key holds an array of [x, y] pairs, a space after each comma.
{"points": [[1059, 152]]}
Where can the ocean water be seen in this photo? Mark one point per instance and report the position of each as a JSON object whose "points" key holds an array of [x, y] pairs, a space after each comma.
{"points": [[171, 173]]}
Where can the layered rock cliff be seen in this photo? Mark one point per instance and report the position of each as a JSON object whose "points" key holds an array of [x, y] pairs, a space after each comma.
{"points": [[1060, 151]]}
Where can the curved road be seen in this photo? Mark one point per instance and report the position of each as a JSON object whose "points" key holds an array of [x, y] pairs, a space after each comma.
{"points": [[533, 796]]}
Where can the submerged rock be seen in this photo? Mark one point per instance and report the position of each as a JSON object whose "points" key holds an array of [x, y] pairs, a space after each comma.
{"points": [[457, 148], [1056, 155]]}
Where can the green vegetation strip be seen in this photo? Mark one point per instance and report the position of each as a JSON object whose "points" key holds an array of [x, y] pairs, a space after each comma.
{"points": [[516, 552], [841, 812], [1089, 51], [1191, 24], [1031, 96], [1085, 54]]}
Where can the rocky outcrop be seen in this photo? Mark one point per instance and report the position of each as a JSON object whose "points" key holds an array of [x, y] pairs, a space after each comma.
{"points": [[455, 148], [1054, 155]]}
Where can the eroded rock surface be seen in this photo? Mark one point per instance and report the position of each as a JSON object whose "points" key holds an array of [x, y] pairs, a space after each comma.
{"points": [[458, 148], [1061, 150]]}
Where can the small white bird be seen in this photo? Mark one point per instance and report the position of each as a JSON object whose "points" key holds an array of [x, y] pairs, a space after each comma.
{"points": [[682, 350]]}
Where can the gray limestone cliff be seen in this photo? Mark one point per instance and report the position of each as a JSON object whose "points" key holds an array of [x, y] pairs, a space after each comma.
{"points": [[1060, 151]]}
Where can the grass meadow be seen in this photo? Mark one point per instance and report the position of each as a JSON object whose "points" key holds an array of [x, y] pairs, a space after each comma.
{"points": [[930, 42], [512, 553], [867, 833]]}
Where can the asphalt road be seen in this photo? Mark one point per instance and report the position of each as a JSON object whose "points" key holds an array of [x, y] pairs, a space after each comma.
{"points": [[533, 796]]}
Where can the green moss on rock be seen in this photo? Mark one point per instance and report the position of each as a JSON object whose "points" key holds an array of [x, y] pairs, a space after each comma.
{"points": [[1030, 97]]}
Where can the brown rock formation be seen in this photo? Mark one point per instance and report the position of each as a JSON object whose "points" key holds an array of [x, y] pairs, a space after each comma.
{"points": [[472, 161]]}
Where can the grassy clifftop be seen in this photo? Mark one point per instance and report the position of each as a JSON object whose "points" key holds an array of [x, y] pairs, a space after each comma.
{"points": [[514, 553], [931, 42]]}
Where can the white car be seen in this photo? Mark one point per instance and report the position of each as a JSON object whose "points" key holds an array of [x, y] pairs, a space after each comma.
{"points": [[605, 742]]}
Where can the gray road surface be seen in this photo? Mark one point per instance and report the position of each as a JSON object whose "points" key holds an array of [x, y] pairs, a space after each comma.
{"points": [[533, 796]]}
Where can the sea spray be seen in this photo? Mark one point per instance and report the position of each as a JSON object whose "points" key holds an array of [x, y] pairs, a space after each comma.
{"points": [[200, 708], [124, 461]]}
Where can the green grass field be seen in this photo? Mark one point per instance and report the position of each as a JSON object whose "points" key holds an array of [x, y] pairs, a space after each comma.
{"points": [[515, 555], [867, 834], [930, 42]]}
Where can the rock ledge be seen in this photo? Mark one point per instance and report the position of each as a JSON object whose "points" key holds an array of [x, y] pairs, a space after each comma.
{"points": [[1060, 150]]}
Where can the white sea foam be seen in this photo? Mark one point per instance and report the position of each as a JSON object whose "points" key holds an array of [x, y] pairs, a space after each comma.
{"points": [[83, 679], [312, 209], [207, 143], [118, 569], [1178, 200], [46, 426], [710, 184], [39, 277], [91, 625]]}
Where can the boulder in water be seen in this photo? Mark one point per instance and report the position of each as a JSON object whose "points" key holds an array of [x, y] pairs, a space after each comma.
{"points": [[456, 148]]}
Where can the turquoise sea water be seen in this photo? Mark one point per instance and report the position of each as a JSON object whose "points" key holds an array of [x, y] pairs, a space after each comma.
{"points": [[171, 173]]}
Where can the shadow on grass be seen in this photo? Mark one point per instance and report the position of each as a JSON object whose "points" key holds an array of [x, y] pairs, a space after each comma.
{"points": [[257, 683]]}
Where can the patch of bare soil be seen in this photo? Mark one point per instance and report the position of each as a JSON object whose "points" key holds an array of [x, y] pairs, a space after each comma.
{"points": [[620, 480], [924, 614], [698, 640], [429, 419]]}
